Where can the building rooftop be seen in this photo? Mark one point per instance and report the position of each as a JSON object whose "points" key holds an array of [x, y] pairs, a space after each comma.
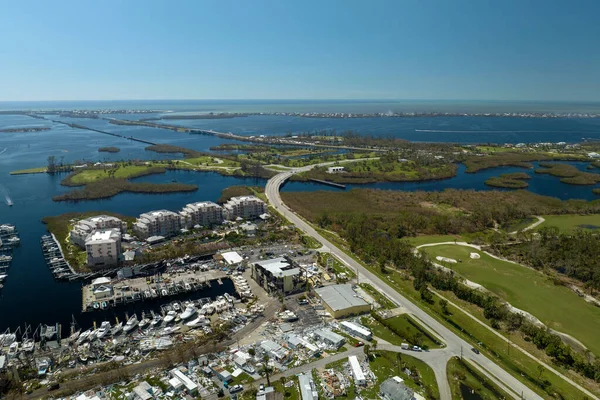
{"points": [[104, 235], [340, 297], [395, 389], [279, 267], [232, 257], [307, 390]]}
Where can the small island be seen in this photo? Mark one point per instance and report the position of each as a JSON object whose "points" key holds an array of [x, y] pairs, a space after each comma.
{"points": [[25, 129], [514, 180], [111, 149], [387, 168], [568, 174]]}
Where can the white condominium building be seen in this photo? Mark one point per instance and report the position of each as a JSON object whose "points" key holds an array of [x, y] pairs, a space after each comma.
{"points": [[244, 207], [203, 213], [157, 223], [103, 248], [82, 229]]}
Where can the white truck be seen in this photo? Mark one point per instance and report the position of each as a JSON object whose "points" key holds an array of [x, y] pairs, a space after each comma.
{"points": [[404, 346]]}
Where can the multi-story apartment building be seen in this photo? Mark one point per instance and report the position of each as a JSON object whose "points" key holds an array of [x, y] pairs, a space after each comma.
{"points": [[82, 229], [103, 248], [157, 223], [244, 207], [205, 213]]}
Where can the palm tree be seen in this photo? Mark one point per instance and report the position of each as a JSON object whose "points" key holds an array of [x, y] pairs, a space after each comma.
{"points": [[266, 369]]}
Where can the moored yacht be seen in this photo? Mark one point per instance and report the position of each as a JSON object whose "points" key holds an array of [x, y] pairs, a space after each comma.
{"points": [[103, 330], [189, 311], [116, 329], [156, 320], [131, 324], [84, 336], [170, 316]]}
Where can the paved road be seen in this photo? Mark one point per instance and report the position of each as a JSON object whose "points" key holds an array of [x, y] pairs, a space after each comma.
{"points": [[455, 345]]}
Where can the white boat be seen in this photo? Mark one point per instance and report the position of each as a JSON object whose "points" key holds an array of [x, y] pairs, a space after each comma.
{"points": [[144, 322], [28, 345], [103, 330], [3, 277], [164, 292], [170, 316], [84, 336], [116, 329], [131, 324], [156, 320], [5, 258], [14, 240], [176, 307], [187, 286], [189, 312], [93, 335], [74, 336], [200, 321], [13, 349], [170, 330], [42, 366]]}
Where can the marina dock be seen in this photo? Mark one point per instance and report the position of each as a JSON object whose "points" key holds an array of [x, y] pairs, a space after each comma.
{"points": [[105, 293]]}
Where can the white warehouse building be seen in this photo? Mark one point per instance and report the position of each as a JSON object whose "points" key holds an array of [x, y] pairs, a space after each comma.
{"points": [[85, 227], [357, 372], [205, 213], [244, 207], [357, 330], [103, 248], [329, 337], [157, 223]]}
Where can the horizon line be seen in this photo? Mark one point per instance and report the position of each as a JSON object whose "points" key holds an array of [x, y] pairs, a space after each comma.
{"points": [[308, 99]]}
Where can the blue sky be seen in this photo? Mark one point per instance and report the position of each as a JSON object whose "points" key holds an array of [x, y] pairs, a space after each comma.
{"points": [[280, 49]]}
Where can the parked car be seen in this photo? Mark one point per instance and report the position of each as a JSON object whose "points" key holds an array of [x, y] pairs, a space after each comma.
{"points": [[417, 348], [359, 344], [474, 350], [236, 388]]}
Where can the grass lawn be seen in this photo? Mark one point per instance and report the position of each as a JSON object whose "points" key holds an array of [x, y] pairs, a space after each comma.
{"points": [[93, 175], [460, 372], [241, 379], [556, 306], [569, 223], [424, 239], [379, 298], [38, 170], [412, 333], [519, 225], [211, 161], [326, 259], [385, 364], [311, 242]]}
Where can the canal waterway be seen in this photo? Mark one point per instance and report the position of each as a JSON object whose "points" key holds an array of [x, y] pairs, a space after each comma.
{"points": [[32, 296]]}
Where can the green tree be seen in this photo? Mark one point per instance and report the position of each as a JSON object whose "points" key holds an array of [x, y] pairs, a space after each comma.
{"points": [[266, 369], [51, 164], [444, 305]]}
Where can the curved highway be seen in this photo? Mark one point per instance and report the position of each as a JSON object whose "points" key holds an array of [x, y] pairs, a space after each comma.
{"points": [[455, 345]]}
